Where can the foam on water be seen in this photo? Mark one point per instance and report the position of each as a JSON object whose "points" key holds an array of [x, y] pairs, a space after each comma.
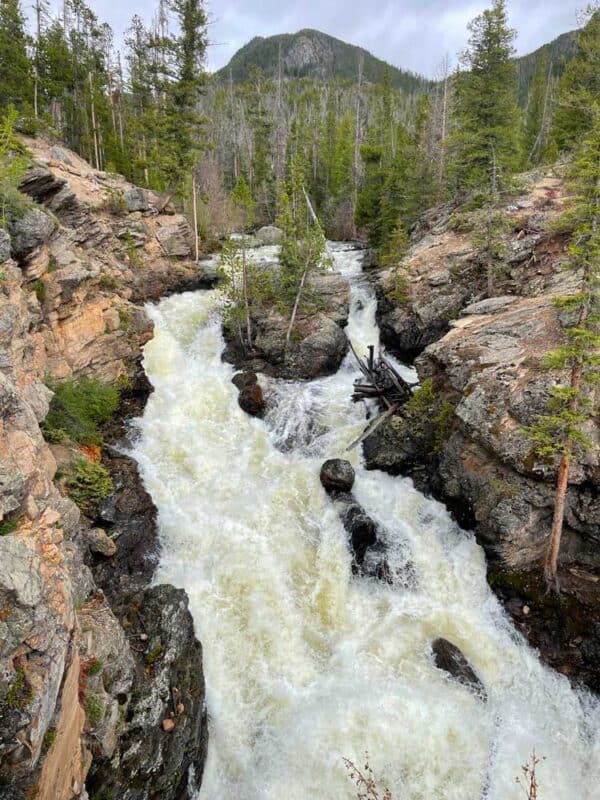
{"points": [[306, 664]]}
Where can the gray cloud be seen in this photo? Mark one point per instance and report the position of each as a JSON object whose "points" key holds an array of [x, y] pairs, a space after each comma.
{"points": [[413, 34]]}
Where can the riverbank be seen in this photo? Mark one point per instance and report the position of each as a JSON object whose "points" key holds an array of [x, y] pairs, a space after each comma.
{"points": [[89, 646]]}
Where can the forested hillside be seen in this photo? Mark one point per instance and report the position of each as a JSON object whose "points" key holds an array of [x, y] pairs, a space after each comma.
{"points": [[557, 53], [313, 54], [373, 146]]}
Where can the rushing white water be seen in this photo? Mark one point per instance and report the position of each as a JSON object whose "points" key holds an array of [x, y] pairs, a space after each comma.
{"points": [[306, 664]]}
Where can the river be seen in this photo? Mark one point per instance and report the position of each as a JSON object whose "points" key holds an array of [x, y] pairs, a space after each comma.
{"points": [[305, 663]]}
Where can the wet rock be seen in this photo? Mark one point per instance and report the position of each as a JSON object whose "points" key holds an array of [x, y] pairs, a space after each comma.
{"points": [[450, 659], [269, 235], [30, 231], [243, 379], [321, 352], [100, 543], [136, 200], [130, 516], [362, 530], [251, 400], [146, 761], [337, 475]]}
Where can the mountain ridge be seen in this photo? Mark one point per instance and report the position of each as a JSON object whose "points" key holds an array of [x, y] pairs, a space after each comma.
{"points": [[313, 53]]}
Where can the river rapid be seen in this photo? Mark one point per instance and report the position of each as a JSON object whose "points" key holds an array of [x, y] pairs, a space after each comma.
{"points": [[306, 663]]}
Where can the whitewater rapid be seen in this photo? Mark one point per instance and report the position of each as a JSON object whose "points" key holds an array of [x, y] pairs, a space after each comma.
{"points": [[305, 663]]}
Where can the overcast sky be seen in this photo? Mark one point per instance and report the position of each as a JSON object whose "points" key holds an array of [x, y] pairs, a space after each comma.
{"points": [[413, 34]]}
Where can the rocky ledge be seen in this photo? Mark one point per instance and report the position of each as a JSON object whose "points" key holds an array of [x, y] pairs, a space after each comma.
{"points": [[101, 685], [461, 437]]}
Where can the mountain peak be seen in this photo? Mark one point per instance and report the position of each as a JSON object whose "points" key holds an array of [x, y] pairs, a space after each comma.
{"points": [[315, 54]]}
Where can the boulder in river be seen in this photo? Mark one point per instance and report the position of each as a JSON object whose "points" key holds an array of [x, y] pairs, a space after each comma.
{"points": [[337, 475], [450, 659], [251, 400], [243, 379], [362, 530]]}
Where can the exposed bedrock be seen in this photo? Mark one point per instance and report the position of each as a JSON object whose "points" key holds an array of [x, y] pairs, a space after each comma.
{"points": [[462, 438], [100, 676]]}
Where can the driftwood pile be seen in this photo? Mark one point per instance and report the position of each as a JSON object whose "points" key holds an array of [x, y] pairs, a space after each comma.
{"points": [[382, 382]]}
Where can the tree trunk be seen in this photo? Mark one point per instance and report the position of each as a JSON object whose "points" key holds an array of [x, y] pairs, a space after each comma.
{"points": [[562, 484], [246, 301], [195, 213], [564, 469], [94, 128], [288, 335]]}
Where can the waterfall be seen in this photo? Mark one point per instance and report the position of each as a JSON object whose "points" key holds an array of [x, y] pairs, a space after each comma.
{"points": [[306, 663]]}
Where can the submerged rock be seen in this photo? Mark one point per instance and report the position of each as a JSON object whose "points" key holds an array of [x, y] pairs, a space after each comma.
{"points": [[362, 530], [337, 475], [450, 659]]}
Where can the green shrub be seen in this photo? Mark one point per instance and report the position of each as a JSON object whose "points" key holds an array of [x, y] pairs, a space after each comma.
{"points": [[125, 319], [88, 483], [78, 408], [423, 399], [40, 291], [94, 709], [108, 281], [432, 420], [8, 526], [13, 164], [49, 738], [155, 654], [20, 693], [133, 255], [95, 667]]}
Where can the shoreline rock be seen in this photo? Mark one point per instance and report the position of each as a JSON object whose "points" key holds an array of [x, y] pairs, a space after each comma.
{"points": [[465, 445], [72, 678]]}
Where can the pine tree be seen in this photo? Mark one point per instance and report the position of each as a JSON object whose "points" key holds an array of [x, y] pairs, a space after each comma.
{"points": [[13, 163], [579, 87], [243, 203], [303, 246], [559, 433], [16, 74], [485, 144]]}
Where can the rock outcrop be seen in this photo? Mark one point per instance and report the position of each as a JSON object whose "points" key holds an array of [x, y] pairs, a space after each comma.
{"points": [[485, 383], [318, 344], [77, 692]]}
